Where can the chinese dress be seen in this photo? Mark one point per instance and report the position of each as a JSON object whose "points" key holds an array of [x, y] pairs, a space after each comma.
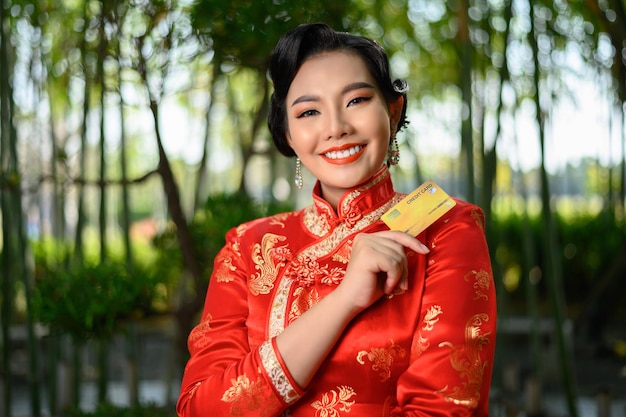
{"points": [[426, 351]]}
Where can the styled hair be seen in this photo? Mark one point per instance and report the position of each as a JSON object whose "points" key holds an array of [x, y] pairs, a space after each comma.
{"points": [[306, 41]]}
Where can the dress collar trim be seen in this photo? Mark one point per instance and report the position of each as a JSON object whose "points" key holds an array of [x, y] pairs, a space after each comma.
{"points": [[352, 206]]}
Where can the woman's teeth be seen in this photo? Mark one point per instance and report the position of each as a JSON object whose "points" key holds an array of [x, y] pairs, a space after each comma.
{"points": [[343, 154]]}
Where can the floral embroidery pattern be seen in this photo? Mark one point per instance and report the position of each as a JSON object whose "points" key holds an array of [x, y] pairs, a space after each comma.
{"points": [[244, 396], [333, 402], [421, 343], [198, 336], [266, 262], [279, 219], [306, 270], [467, 361], [304, 299], [241, 229], [223, 273], [279, 307], [478, 217], [317, 224], [343, 253], [382, 359], [482, 283], [276, 374], [432, 317]]}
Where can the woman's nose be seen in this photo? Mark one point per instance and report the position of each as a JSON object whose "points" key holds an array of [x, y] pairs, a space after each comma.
{"points": [[338, 126]]}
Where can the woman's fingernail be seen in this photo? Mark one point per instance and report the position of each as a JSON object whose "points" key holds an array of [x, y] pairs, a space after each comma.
{"points": [[424, 247]]}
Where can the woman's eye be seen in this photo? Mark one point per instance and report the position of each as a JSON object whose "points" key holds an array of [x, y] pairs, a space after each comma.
{"points": [[307, 113], [358, 100]]}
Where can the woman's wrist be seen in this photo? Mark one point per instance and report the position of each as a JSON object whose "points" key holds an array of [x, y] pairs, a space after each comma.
{"points": [[346, 302]]}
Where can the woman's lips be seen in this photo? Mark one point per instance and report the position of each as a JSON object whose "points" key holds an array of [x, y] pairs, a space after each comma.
{"points": [[344, 155]]}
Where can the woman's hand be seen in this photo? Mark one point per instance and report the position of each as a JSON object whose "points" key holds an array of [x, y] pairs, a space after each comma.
{"points": [[377, 266]]}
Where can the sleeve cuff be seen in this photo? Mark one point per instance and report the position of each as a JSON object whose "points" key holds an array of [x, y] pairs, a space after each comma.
{"points": [[276, 371]]}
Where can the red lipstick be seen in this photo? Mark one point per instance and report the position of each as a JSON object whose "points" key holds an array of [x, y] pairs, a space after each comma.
{"points": [[343, 160]]}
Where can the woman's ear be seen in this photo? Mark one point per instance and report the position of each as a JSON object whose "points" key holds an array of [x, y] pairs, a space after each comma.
{"points": [[395, 111]]}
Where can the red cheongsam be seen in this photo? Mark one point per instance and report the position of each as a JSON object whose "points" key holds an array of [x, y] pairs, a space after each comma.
{"points": [[427, 351]]}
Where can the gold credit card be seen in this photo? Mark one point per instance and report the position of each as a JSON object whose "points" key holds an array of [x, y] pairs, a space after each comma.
{"points": [[418, 210]]}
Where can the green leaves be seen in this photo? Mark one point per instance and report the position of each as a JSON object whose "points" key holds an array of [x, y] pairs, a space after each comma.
{"points": [[246, 31], [93, 300]]}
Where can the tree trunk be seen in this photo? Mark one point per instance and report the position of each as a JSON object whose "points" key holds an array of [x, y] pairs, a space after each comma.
{"points": [[8, 274], [202, 179], [552, 268], [14, 247], [102, 351], [465, 84]]}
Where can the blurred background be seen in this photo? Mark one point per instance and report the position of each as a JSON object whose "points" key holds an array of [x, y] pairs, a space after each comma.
{"points": [[133, 136]]}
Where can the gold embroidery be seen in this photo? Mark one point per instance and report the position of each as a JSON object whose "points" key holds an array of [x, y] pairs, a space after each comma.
{"points": [[467, 361], [279, 307], [303, 300], [241, 229], [193, 390], [277, 374], [333, 402], [420, 343], [382, 359], [478, 218], [279, 219], [347, 202], [198, 337], [432, 317], [263, 281], [482, 282], [225, 267], [314, 222], [342, 231], [343, 253], [244, 396], [305, 270]]}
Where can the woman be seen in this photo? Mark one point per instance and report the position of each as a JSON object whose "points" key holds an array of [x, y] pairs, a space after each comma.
{"points": [[324, 311]]}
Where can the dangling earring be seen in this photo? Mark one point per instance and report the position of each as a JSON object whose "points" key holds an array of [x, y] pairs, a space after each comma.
{"points": [[298, 177], [393, 153]]}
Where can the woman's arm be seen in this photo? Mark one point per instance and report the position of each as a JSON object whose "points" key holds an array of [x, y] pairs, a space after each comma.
{"points": [[377, 266], [225, 377], [453, 349]]}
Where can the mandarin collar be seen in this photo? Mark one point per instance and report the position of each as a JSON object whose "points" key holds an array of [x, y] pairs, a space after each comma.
{"points": [[354, 204]]}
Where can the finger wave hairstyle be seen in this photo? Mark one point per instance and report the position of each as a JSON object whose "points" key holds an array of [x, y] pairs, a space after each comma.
{"points": [[305, 41]]}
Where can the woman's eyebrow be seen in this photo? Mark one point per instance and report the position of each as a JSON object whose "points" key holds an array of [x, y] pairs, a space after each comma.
{"points": [[356, 86], [305, 98], [348, 88]]}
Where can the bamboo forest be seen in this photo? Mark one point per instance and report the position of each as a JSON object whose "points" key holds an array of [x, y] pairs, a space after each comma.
{"points": [[133, 136]]}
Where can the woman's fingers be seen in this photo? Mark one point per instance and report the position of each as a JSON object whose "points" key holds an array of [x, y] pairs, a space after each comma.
{"points": [[405, 240], [383, 252]]}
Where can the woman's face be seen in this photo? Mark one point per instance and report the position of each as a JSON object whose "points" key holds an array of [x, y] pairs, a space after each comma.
{"points": [[339, 123]]}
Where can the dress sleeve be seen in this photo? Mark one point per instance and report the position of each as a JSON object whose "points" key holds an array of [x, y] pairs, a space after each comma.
{"points": [[224, 376], [453, 347]]}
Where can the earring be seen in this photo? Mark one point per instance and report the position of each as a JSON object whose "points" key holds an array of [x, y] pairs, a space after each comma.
{"points": [[298, 177], [393, 153]]}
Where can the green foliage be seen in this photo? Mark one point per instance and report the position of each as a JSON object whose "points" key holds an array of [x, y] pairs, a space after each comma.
{"points": [[107, 410], [92, 299], [590, 246], [246, 31]]}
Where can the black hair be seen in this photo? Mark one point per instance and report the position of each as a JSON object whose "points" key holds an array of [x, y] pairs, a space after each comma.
{"points": [[305, 41]]}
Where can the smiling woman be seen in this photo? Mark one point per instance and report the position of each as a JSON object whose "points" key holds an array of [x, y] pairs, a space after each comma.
{"points": [[338, 127], [325, 311]]}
